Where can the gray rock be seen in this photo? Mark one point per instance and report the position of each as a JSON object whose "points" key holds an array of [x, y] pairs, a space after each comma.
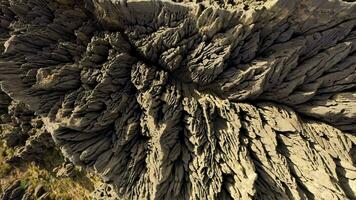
{"points": [[193, 100], [104, 192], [65, 170]]}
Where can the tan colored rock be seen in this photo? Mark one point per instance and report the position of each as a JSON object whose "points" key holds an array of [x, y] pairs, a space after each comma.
{"points": [[209, 100]]}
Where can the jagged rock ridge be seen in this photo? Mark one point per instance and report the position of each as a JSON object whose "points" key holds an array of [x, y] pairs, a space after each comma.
{"points": [[207, 100]]}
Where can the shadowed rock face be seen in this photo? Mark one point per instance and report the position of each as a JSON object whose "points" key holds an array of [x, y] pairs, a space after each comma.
{"points": [[209, 100], [23, 132]]}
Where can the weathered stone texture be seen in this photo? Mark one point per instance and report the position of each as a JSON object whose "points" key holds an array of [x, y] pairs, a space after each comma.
{"points": [[192, 100]]}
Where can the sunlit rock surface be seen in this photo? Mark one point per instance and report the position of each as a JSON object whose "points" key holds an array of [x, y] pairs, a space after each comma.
{"points": [[192, 100]]}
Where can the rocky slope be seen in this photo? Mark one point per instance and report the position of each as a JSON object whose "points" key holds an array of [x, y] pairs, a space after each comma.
{"points": [[191, 100]]}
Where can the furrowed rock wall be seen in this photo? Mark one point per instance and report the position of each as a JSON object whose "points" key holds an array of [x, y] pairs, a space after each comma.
{"points": [[192, 100]]}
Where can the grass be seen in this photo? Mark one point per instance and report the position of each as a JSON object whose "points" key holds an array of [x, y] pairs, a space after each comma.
{"points": [[78, 187]]}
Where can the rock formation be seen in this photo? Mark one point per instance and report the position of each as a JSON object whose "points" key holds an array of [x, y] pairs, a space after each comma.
{"points": [[23, 131], [195, 99], [18, 191]]}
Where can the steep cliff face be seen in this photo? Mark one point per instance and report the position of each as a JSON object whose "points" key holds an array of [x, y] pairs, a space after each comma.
{"points": [[192, 100]]}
